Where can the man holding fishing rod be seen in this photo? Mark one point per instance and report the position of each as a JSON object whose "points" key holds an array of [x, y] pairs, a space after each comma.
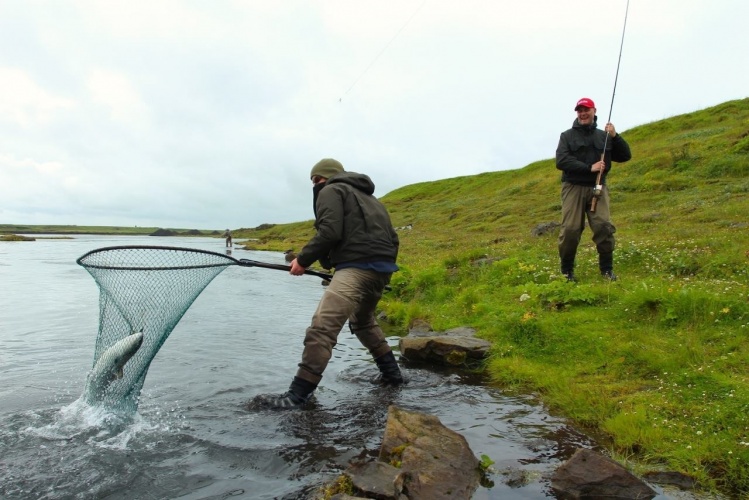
{"points": [[584, 155], [355, 236]]}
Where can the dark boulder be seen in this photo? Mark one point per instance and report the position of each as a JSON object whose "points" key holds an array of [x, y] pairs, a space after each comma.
{"points": [[420, 459], [546, 228], [435, 462], [588, 474]]}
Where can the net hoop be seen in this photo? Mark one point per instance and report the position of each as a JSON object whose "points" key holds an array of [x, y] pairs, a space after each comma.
{"points": [[88, 260]]}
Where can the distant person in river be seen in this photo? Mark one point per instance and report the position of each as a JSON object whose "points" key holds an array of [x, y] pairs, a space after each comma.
{"points": [[580, 156], [354, 236], [227, 235]]}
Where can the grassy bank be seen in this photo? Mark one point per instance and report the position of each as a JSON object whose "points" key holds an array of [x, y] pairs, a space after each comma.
{"points": [[657, 362]]}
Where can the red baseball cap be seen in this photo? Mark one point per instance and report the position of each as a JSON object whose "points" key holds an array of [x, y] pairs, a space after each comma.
{"points": [[585, 102]]}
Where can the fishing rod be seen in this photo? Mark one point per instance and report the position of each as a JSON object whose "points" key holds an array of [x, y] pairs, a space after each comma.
{"points": [[598, 189]]}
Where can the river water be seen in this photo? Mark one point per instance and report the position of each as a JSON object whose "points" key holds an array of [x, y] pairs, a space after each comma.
{"points": [[193, 436]]}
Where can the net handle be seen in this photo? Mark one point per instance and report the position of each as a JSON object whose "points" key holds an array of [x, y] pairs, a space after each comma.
{"points": [[280, 267], [240, 262]]}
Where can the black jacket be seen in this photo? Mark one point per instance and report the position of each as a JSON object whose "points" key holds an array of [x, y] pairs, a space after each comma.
{"points": [[581, 146], [352, 225]]}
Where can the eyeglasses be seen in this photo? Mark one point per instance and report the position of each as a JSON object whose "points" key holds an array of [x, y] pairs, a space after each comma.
{"points": [[317, 179]]}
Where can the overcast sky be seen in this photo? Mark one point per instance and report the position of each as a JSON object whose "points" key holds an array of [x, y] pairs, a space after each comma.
{"points": [[210, 114]]}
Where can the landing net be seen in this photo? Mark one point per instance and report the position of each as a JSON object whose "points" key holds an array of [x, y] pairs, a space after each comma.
{"points": [[144, 289]]}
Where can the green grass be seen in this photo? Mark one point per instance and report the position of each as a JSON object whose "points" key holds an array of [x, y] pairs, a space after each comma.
{"points": [[658, 362]]}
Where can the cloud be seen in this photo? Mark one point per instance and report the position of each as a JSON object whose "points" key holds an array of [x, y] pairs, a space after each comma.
{"points": [[25, 103], [114, 91], [210, 114]]}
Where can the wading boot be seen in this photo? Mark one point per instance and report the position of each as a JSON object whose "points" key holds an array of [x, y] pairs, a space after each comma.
{"points": [[300, 391], [609, 275], [606, 265], [390, 373], [567, 270]]}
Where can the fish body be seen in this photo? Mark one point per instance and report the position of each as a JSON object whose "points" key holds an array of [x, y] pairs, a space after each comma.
{"points": [[110, 366]]}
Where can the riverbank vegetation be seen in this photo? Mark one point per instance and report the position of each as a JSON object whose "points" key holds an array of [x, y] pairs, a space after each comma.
{"points": [[15, 237], [657, 362]]}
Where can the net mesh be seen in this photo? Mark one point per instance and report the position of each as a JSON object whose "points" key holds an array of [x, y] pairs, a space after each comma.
{"points": [[144, 289]]}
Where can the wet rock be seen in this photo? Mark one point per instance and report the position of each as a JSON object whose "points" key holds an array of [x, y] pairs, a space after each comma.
{"points": [[455, 347], [517, 478], [419, 459], [588, 474], [420, 326], [435, 462], [376, 480]]}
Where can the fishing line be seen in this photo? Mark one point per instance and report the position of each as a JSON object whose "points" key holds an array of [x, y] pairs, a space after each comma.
{"points": [[598, 188], [383, 49], [616, 78]]}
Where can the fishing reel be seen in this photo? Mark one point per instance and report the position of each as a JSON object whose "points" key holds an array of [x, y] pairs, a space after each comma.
{"points": [[597, 190]]}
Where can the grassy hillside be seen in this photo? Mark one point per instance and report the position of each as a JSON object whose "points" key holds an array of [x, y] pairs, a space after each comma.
{"points": [[658, 362]]}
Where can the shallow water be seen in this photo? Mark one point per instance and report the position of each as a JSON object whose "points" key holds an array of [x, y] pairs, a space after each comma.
{"points": [[193, 436]]}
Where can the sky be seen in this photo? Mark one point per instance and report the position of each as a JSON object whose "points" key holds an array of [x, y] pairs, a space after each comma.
{"points": [[210, 114]]}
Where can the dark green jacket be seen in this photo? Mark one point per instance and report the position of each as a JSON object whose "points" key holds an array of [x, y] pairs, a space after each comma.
{"points": [[352, 225], [581, 146]]}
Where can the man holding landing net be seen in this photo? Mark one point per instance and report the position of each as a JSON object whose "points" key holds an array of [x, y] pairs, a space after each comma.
{"points": [[354, 236]]}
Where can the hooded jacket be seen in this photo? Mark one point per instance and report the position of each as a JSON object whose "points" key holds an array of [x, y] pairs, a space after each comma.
{"points": [[581, 146], [352, 225]]}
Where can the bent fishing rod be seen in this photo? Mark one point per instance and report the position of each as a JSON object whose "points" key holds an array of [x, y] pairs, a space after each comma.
{"points": [[598, 189]]}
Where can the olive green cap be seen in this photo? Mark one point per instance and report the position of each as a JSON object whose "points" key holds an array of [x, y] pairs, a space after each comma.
{"points": [[327, 167]]}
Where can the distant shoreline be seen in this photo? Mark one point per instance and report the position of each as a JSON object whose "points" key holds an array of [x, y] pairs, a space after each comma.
{"points": [[105, 230]]}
